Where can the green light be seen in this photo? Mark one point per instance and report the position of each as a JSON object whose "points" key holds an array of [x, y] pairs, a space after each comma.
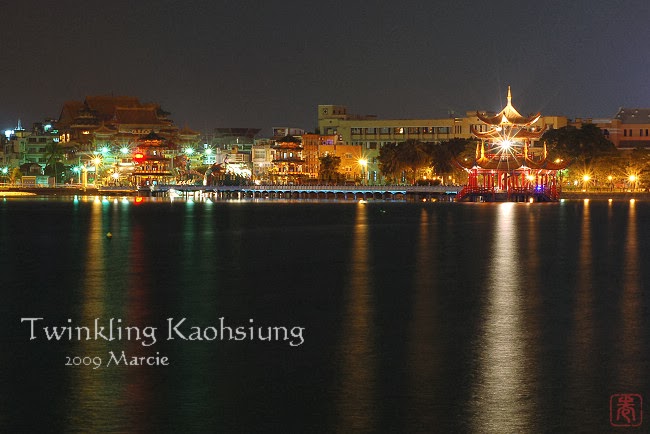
{"points": [[189, 151], [105, 150], [5, 170], [124, 150]]}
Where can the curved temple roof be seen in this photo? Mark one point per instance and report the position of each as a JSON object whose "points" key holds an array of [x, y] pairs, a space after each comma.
{"points": [[508, 116]]}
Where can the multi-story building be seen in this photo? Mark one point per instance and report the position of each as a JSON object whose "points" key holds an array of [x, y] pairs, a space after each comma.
{"points": [[371, 133], [628, 129]]}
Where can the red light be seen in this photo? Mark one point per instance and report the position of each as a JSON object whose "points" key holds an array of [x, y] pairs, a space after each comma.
{"points": [[138, 200], [138, 157]]}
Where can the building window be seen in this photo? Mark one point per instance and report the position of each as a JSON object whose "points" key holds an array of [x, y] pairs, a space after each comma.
{"points": [[371, 130], [355, 130], [414, 130], [372, 145], [398, 130], [624, 133]]}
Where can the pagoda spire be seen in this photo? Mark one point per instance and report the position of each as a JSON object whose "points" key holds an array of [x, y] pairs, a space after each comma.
{"points": [[509, 96]]}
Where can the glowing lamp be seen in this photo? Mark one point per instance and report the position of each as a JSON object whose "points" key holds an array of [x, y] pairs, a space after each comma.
{"points": [[586, 177], [632, 178], [138, 157], [104, 150], [124, 150], [506, 144]]}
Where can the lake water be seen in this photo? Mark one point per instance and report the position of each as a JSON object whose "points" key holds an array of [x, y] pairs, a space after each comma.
{"points": [[383, 316]]}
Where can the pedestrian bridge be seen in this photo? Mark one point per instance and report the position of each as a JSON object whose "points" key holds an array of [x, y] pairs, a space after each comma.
{"points": [[305, 191]]}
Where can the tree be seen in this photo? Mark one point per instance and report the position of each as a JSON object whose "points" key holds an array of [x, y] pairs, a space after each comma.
{"points": [[581, 144], [443, 155], [414, 155], [53, 165], [15, 175], [396, 158], [328, 169], [389, 162]]}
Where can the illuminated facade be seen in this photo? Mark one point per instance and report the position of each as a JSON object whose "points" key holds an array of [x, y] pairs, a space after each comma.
{"points": [[506, 168], [287, 160]]}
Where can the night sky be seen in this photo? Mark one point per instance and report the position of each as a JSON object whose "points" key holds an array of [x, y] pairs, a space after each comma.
{"points": [[261, 64]]}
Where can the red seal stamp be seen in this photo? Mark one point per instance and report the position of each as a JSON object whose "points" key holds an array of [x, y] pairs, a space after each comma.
{"points": [[625, 409]]}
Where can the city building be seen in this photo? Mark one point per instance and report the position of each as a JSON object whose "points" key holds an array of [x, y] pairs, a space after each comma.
{"points": [[371, 133]]}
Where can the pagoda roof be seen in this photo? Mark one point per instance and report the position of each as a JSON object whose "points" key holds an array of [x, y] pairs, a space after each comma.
{"points": [[69, 111], [106, 105], [508, 116], [137, 116], [185, 131], [103, 129], [152, 137], [288, 139], [513, 163], [494, 134]]}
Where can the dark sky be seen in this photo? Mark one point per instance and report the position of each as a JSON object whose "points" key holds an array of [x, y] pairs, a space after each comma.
{"points": [[270, 63]]}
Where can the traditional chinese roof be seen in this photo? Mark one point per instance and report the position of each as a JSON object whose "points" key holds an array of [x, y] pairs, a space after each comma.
{"points": [[519, 135], [137, 116], [70, 111], [508, 116], [104, 130], [185, 131], [105, 105], [151, 139]]}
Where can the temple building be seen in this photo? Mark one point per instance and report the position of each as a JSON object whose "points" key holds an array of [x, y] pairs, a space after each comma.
{"points": [[505, 167], [125, 115], [287, 160]]}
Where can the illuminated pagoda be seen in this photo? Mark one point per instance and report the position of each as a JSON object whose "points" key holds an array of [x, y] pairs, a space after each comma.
{"points": [[151, 164], [286, 154], [505, 168]]}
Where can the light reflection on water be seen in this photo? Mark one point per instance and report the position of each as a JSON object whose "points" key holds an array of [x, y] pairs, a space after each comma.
{"points": [[502, 396], [448, 317], [356, 401]]}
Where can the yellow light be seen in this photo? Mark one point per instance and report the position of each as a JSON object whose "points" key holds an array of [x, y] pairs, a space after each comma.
{"points": [[363, 162], [506, 144], [530, 177], [115, 175], [97, 161], [609, 178], [632, 178], [586, 177]]}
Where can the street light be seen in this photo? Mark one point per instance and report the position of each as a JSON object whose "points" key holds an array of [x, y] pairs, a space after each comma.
{"points": [[363, 163], [585, 180], [96, 162], [611, 185], [633, 178]]}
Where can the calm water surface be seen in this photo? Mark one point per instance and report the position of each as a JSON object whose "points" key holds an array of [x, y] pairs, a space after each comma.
{"points": [[432, 317]]}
